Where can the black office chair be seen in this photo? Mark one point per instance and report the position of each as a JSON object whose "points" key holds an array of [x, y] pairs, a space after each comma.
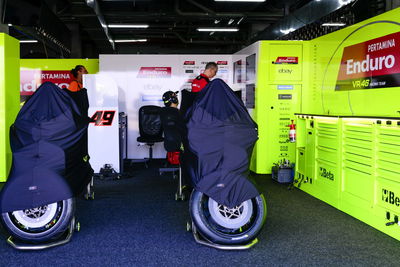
{"points": [[150, 127]]}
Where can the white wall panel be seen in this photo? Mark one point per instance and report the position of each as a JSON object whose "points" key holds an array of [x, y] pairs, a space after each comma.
{"points": [[142, 79]]}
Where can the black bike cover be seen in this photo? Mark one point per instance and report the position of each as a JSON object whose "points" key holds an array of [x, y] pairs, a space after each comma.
{"points": [[221, 137], [49, 145]]}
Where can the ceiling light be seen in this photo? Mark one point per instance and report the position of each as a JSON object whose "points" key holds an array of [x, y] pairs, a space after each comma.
{"points": [[127, 26], [334, 24], [28, 41], [231, 21], [9, 25], [344, 2], [239, 0], [130, 41], [287, 31], [217, 29]]}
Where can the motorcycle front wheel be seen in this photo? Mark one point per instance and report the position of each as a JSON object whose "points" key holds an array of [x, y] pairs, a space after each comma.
{"points": [[40, 224], [223, 225]]}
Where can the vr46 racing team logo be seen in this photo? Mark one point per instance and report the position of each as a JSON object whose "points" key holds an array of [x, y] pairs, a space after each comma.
{"points": [[102, 118]]}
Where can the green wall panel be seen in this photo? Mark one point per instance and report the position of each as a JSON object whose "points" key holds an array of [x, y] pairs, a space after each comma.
{"points": [[9, 97], [327, 52], [279, 87], [92, 65]]}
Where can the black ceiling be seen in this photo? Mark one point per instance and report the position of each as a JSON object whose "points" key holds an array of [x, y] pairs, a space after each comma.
{"points": [[172, 25]]}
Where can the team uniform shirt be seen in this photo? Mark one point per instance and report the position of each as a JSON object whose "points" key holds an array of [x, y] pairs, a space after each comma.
{"points": [[199, 83], [75, 86]]}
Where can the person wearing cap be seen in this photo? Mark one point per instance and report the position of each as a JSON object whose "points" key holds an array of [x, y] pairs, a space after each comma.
{"points": [[204, 78], [175, 131]]}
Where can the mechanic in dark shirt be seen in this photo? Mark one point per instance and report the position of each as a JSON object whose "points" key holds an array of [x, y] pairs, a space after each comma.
{"points": [[204, 78], [175, 132]]}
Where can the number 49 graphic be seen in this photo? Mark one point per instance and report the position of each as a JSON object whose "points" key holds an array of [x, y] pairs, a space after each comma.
{"points": [[102, 118]]}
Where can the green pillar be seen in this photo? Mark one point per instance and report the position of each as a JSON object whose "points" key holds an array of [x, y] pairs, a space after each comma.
{"points": [[9, 97]]}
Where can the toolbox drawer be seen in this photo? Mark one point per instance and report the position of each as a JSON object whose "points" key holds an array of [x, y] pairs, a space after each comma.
{"points": [[357, 183], [331, 141], [327, 154]]}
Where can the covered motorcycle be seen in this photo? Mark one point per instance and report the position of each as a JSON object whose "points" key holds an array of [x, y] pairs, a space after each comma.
{"points": [[50, 163], [225, 206]]}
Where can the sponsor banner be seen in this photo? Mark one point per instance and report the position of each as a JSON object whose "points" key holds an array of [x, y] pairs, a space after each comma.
{"points": [[286, 60], [284, 96], [371, 64], [222, 62], [152, 98], [154, 72], [285, 87], [31, 79], [188, 62]]}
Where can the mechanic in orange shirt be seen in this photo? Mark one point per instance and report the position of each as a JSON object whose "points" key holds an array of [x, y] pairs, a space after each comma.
{"points": [[77, 72], [203, 79]]}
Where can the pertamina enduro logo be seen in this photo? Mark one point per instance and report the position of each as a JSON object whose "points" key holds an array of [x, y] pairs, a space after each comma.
{"points": [[154, 72], [286, 60], [31, 79], [372, 64]]}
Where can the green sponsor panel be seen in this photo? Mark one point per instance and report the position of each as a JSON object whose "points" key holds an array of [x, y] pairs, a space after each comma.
{"points": [[284, 61], [9, 97], [342, 72], [279, 83]]}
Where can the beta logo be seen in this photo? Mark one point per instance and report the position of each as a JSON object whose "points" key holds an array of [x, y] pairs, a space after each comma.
{"points": [[390, 197], [103, 118], [326, 174]]}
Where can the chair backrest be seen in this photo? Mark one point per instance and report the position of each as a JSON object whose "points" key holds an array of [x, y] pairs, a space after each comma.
{"points": [[150, 122]]}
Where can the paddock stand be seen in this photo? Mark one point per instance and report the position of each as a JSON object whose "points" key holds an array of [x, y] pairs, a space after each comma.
{"points": [[63, 239], [179, 195], [200, 239]]}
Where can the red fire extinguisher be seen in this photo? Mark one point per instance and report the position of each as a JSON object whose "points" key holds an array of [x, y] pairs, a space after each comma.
{"points": [[292, 132]]}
